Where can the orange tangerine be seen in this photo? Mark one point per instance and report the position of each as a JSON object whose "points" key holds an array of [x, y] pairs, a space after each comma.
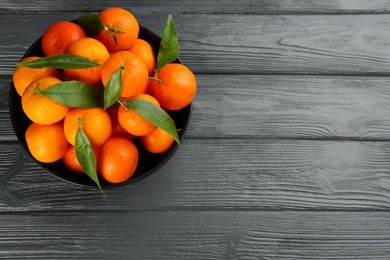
{"points": [[121, 29], [134, 72], [176, 88], [157, 141], [23, 76], [133, 122], [117, 129], [41, 109], [145, 51], [59, 35], [46, 143], [95, 123], [117, 159], [91, 49], [70, 159]]}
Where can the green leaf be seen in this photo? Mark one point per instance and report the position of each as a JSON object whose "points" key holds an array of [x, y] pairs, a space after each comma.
{"points": [[86, 156], [154, 114], [60, 61], [169, 45], [113, 88], [75, 94], [91, 24]]}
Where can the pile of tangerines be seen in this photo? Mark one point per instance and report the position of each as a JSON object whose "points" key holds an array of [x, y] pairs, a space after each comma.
{"points": [[125, 63]]}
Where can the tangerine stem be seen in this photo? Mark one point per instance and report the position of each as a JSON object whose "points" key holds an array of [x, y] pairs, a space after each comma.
{"points": [[122, 103], [80, 121], [36, 88], [157, 79], [113, 29]]}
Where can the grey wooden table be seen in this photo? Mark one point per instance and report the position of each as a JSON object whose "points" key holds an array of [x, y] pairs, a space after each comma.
{"points": [[287, 155]]}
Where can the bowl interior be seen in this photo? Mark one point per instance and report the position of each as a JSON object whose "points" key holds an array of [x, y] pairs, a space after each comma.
{"points": [[148, 162]]}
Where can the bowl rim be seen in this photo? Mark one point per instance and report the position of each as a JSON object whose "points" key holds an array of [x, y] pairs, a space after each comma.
{"points": [[14, 101]]}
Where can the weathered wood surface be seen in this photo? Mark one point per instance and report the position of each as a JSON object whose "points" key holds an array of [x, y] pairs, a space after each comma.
{"points": [[195, 235], [204, 6], [287, 155], [245, 44], [221, 174]]}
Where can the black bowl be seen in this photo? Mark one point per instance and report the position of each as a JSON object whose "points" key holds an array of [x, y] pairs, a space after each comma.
{"points": [[148, 162]]}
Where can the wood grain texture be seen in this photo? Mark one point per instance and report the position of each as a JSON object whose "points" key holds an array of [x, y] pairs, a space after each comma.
{"points": [[246, 44], [287, 155], [220, 174], [6, 130], [195, 235], [241, 106], [203, 6]]}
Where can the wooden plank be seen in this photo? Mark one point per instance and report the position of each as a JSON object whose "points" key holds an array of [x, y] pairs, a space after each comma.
{"points": [[220, 174], [246, 44], [6, 129], [195, 235], [240, 106], [291, 107], [177, 6]]}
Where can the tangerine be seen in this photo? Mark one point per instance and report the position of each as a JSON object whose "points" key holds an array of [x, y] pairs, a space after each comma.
{"points": [[175, 87], [117, 129], [133, 122], [59, 35], [117, 160], [70, 159], [46, 143], [23, 76], [134, 72], [95, 123], [145, 51], [91, 49], [120, 31], [158, 141], [41, 109]]}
